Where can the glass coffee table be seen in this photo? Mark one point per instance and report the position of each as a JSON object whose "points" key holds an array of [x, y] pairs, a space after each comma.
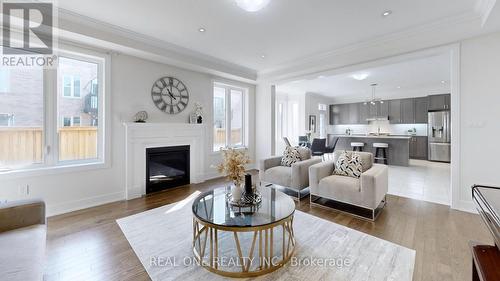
{"points": [[243, 241]]}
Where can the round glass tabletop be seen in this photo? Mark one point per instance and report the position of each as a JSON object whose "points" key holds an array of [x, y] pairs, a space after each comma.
{"points": [[213, 207]]}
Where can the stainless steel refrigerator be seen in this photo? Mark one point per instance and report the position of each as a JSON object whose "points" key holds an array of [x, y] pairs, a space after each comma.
{"points": [[439, 136]]}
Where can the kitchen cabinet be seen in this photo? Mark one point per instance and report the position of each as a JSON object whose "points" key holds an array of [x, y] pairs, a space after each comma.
{"points": [[395, 112], [353, 113], [407, 111], [440, 102], [334, 114], [421, 110], [418, 147], [344, 114], [363, 113], [383, 109]]}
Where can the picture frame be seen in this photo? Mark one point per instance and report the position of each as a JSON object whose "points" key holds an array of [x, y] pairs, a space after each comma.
{"points": [[312, 123]]}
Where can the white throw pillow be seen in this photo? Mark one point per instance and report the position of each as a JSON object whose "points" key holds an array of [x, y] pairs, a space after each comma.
{"points": [[349, 164], [290, 155]]}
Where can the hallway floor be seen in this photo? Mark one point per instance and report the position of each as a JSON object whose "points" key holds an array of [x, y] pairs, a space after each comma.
{"points": [[422, 180]]}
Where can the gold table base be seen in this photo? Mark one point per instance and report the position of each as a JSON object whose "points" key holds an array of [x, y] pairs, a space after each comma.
{"points": [[204, 233]]}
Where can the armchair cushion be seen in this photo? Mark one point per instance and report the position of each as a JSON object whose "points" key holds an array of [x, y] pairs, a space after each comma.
{"points": [[290, 155], [348, 164], [279, 175], [366, 159]]}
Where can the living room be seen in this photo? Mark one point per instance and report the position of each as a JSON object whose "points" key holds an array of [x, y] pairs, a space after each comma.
{"points": [[79, 141]]}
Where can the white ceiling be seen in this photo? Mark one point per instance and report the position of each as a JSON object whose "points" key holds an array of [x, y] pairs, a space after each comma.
{"points": [[413, 78], [284, 31]]}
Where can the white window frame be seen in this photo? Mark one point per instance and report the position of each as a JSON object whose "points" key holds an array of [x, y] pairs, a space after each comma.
{"points": [[72, 86], [244, 117], [50, 159], [71, 121]]}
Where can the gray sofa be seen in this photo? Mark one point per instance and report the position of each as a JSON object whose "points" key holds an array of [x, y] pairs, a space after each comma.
{"points": [[364, 197], [23, 234], [294, 178]]}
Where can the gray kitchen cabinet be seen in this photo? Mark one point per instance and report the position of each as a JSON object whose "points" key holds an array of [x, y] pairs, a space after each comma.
{"points": [[363, 113], [395, 112], [439, 102], [408, 111], [418, 147], [344, 114], [383, 109], [421, 110], [353, 113], [334, 114]]}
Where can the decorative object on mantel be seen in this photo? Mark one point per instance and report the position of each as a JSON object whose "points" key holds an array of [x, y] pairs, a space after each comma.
{"points": [[198, 112], [233, 166], [170, 95], [141, 117]]}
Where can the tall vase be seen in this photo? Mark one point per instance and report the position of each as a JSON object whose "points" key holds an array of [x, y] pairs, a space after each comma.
{"points": [[236, 192]]}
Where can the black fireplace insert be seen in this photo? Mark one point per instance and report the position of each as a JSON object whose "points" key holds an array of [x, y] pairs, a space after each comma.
{"points": [[167, 167]]}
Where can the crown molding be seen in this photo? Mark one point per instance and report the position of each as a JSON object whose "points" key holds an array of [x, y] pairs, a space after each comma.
{"points": [[441, 32], [81, 29], [484, 8]]}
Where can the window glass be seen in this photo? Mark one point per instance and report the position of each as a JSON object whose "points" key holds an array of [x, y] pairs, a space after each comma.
{"points": [[236, 118], [21, 117], [219, 118], [78, 138], [67, 86]]}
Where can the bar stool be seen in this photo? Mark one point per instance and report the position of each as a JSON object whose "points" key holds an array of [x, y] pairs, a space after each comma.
{"points": [[381, 151], [357, 146]]}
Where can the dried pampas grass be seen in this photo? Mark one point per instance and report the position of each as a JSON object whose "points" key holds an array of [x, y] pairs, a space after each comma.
{"points": [[233, 164]]}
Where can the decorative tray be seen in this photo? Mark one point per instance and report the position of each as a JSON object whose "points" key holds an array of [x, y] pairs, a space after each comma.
{"points": [[247, 200]]}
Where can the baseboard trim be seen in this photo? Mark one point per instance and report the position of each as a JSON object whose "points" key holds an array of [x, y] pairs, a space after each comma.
{"points": [[465, 206], [66, 207]]}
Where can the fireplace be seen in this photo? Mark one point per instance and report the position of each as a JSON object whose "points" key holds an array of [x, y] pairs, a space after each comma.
{"points": [[167, 167]]}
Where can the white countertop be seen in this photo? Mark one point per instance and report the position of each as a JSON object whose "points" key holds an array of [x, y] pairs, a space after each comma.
{"points": [[375, 136]]}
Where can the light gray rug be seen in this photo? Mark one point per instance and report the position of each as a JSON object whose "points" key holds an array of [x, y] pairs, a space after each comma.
{"points": [[162, 239]]}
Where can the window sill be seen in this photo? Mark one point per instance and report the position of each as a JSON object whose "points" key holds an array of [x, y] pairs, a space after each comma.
{"points": [[235, 148], [53, 170]]}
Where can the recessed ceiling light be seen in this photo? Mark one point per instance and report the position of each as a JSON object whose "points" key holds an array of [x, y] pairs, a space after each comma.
{"points": [[360, 76], [386, 13], [262, 56], [443, 82], [399, 87], [321, 76], [202, 29], [252, 5]]}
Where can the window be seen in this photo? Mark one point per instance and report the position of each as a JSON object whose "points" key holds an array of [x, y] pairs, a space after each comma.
{"points": [[321, 107], [44, 117], [71, 85], [229, 117]]}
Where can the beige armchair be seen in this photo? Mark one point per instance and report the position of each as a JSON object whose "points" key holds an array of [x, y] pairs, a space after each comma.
{"points": [[294, 179], [22, 240], [364, 197]]}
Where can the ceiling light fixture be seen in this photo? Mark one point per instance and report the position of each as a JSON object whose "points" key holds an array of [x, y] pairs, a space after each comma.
{"points": [[262, 56], [374, 100], [252, 5], [443, 82], [387, 13], [360, 76], [321, 76], [399, 87], [201, 29]]}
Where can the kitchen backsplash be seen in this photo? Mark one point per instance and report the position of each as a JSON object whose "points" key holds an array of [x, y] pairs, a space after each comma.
{"points": [[385, 127]]}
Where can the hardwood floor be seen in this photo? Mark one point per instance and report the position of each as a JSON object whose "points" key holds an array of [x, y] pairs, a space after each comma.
{"points": [[89, 245]]}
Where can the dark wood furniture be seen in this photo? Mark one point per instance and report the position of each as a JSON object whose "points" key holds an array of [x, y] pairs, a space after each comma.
{"points": [[486, 258]]}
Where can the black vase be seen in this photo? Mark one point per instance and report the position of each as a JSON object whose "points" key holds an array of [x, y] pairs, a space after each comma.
{"points": [[199, 120], [248, 184]]}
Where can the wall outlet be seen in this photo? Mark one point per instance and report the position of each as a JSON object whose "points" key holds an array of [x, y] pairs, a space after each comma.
{"points": [[24, 190]]}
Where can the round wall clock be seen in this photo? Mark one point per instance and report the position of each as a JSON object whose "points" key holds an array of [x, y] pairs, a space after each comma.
{"points": [[170, 95]]}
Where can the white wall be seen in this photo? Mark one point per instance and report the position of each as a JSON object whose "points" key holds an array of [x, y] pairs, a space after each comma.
{"points": [[131, 81], [480, 114]]}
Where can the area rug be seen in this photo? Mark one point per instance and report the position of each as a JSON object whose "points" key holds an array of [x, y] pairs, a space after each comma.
{"points": [[162, 240]]}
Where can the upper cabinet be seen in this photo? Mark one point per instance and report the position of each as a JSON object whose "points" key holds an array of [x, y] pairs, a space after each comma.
{"points": [[421, 110], [439, 102], [395, 112], [400, 111]]}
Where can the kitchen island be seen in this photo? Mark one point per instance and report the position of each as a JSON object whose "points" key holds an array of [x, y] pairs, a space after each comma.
{"points": [[398, 153]]}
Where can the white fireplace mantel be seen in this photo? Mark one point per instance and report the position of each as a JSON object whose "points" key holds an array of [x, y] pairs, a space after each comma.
{"points": [[140, 136]]}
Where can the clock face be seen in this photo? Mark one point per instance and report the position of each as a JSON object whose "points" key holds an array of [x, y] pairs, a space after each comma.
{"points": [[170, 95]]}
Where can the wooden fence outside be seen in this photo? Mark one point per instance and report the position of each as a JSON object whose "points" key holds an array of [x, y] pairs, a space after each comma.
{"points": [[220, 137], [24, 145]]}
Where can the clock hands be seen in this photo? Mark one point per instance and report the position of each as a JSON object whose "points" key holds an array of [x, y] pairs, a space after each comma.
{"points": [[171, 95]]}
